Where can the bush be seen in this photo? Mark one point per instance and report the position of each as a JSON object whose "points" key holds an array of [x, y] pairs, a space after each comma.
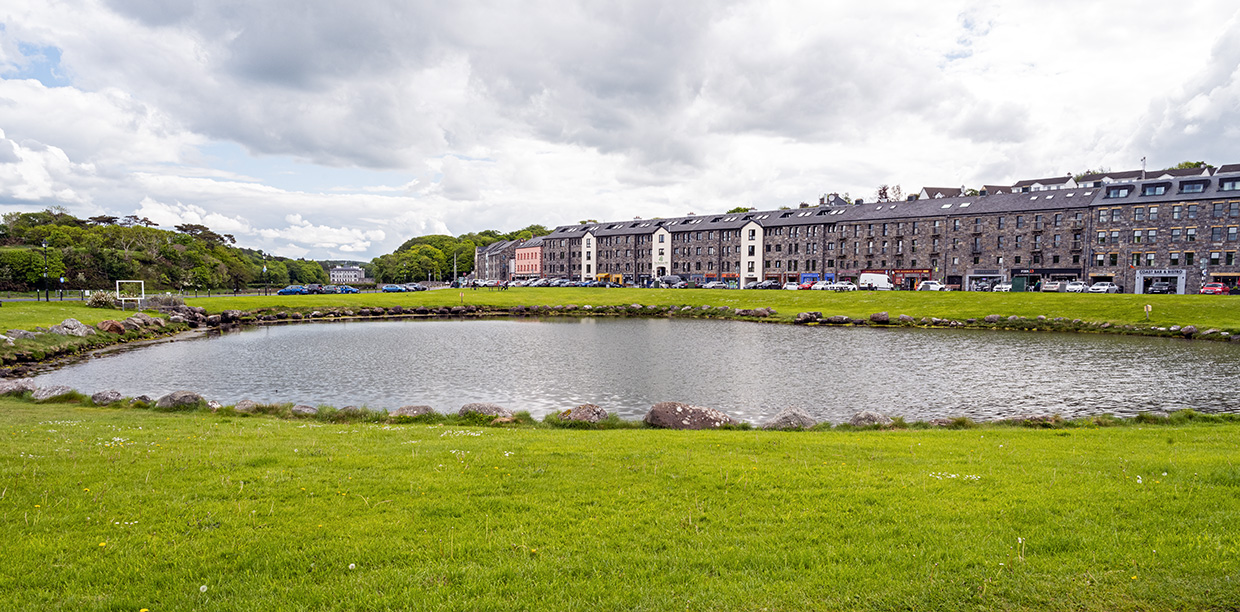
{"points": [[101, 299]]}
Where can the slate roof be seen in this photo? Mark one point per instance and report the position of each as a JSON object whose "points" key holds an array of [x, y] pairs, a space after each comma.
{"points": [[942, 192], [1055, 180]]}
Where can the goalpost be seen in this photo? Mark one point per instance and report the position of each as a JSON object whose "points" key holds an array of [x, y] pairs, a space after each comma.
{"points": [[137, 300]]}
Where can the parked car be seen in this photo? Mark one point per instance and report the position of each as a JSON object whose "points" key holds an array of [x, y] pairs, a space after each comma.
{"points": [[791, 286], [770, 284], [822, 286], [875, 282], [806, 285], [415, 287], [842, 286], [293, 290], [1213, 289], [715, 285], [1054, 286], [1104, 287], [1160, 287], [1076, 287], [1003, 287], [393, 289], [930, 285]]}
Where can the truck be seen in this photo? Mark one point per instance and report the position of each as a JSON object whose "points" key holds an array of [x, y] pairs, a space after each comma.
{"points": [[875, 282]]}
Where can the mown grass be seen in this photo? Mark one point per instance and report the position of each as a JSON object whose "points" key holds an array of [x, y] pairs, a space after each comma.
{"points": [[32, 315], [106, 509], [1222, 312]]}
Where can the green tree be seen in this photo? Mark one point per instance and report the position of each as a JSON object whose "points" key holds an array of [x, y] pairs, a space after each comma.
{"points": [[738, 209]]}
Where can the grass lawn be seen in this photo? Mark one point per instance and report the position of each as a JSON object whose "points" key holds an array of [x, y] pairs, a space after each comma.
{"points": [[1204, 311], [107, 509]]}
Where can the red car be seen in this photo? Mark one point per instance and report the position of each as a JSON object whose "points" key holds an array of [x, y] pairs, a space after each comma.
{"points": [[807, 285], [1214, 289]]}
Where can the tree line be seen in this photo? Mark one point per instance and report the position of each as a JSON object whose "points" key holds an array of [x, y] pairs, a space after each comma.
{"points": [[438, 256]]}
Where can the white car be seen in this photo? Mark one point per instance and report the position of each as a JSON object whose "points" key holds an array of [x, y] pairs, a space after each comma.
{"points": [[822, 286], [1104, 287], [931, 286], [1077, 287], [842, 286], [1004, 287], [791, 286], [715, 285]]}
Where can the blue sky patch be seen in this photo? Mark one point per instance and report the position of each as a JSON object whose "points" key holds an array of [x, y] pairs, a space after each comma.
{"points": [[41, 64]]}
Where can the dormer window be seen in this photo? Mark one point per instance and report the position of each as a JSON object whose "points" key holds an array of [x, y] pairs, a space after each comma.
{"points": [[1119, 192], [1154, 190], [1192, 186], [1229, 184]]}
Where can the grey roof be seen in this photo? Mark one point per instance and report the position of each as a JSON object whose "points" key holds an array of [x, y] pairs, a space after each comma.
{"points": [[1127, 175], [943, 192], [1055, 180], [1227, 169], [532, 242], [1174, 192]]}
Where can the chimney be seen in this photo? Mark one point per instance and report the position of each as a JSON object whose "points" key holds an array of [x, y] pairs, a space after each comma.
{"points": [[822, 200]]}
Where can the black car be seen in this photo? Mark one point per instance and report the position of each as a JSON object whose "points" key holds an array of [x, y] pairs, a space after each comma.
{"points": [[1160, 287], [770, 284]]}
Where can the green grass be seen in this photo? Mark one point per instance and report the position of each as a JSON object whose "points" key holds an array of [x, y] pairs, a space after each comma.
{"points": [[1205, 311], [105, 509]]}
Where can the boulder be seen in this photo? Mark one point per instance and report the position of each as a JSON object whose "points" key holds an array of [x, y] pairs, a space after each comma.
{"points": [[906, 320], [111, 327], [141, 398], [485, 409], [807, 317], [838, 320], [587, 413], [21, 334], [213, 320], [176, 319], [131, 325], [1188, 330], [179, 399], [304, 410], [46, 393], [411, 411], [865, 418], [214, 405], [880, 317], [790, 418], [103, 398], [992, 318], [74, 327], [17, 385], [295, 315], [246, 406], [675, 415], [143, 318], [230, 316]]}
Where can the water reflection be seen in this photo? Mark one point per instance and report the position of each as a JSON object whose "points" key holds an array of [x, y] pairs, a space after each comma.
{"points": [[748, 370]]}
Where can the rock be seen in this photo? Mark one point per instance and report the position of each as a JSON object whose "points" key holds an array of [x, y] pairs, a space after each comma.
{"points": [[213, 320], [176, 319], [587, 413], [411, 411], [179, 399], [866, 418], [905, 319], [214, 405], [131, 325], [74, 327], [456, 310], [295, 315], [838, 320], [230, 316], [504, 421], [941, 422], [246, 406], [485, 409], [304, 410], [1188, 330], [1014, 318], [143, 318], [103, 398], [1041, 318], [18, 385], [110, 326], [790, 418], [992, 318], [350, 410], [807, 317], [1174, 328], [21, 334], [46, 393], [880, 317], [318, 314], [675, 415], [141, 398]]}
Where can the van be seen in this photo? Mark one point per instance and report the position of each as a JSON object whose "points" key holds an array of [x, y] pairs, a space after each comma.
{"points": [[874, 282]]}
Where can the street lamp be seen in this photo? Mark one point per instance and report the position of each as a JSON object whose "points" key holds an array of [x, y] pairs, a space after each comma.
{"points": [[47, 296], [266, 285]]}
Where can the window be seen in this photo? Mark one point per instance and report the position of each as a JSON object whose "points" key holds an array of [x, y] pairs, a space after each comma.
{"points": [[1149, 260], [1055, 240], [1174, 259], [1138, 214], [753, 234], [1231, 258], [1154, 190], [999, 244], [1020, 221], [1136, 259], [1176, 211], [1016, 260], [661, 242], [1117, 215], [1113, 258], [1231, 234], [1118, 192], [1058, 219], [1176, 234], [956, 225], [1151, 236], [1102, 237], [1218, 210], [1102, 215], [1136, 236], [1216, 258], [1192, 211], [1190, 234], [1100, 260], [1115, 237], [1000, 222], [1188, 258], [751, 249], [1153, 213], [1193, 187], [1233, 210], [1018, 241], [1229, 185]]}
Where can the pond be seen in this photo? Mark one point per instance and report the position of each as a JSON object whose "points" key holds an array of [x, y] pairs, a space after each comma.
{"points": [[751, 371]]}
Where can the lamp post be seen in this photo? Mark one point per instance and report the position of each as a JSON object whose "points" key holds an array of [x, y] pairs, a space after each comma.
{"points": [[47, 296], [266, 285]]}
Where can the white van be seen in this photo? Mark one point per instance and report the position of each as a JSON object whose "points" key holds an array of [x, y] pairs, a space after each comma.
{"points": [[877, 282]]}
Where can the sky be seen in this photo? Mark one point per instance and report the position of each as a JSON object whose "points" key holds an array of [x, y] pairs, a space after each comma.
{"points": [[334, 130]]}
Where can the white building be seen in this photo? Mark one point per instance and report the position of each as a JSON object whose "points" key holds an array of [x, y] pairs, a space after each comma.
{"points": [[343, 275]]}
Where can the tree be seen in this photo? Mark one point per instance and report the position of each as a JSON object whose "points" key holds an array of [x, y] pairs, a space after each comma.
{"points": [[882, 193], [103, 220], [972, 192], [738, 209], [1185, 165]]}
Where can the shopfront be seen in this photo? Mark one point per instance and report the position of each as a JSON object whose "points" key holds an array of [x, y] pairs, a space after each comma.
{"points": [[983, 280], [1177, 277], [809, 277], [1029, 279], [907, 279]]}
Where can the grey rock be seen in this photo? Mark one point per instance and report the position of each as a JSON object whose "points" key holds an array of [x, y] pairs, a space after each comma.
{"points": [[1174, 328], [838, 320], [486, 409], [17, 385], [588, 413], [21, 334], [790, 418], [46, 393], [74, 327], [1188, 330], [808, 317], [906, 319], [131, 325], [866, 418], [992, 318], [110, 326], [214, 405], [176, 319], [141, 398], [411, 411], [305, 410], [177, 399], [246, 406], [675, 415], [213, 320], [880, 317], [104, 398]]}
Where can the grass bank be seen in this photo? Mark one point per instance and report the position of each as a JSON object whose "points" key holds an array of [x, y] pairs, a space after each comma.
{"points": [[1204, 311], [106, 509], [29, 315]]}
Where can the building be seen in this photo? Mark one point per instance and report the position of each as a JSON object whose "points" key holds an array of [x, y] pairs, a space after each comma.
{"points": [[527, 259], [344, 275], [1131, 231], [495, 261]]}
